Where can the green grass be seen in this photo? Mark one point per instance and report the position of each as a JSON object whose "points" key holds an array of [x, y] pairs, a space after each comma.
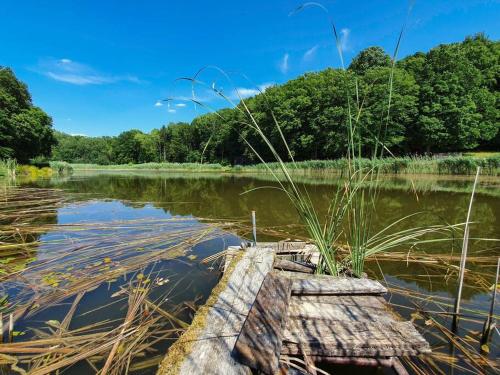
{"points": [[462, 165], [192, 167], [61, 167], [8, 167]]}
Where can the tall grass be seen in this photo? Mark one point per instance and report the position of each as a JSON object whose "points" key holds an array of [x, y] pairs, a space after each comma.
{"points": [[395, 165], [452, 165], [62, 168], [352, 205], [194, 167], [8, 167]]}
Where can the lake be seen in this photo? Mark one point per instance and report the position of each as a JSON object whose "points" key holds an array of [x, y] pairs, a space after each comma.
{"points": [[114, 223]]}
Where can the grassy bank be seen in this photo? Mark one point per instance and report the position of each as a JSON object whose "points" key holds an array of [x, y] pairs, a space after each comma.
{"points": [[10, 168], [458, 165]]}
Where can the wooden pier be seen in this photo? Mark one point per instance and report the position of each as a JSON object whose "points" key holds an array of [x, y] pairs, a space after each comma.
{"points": [[272, 312]]}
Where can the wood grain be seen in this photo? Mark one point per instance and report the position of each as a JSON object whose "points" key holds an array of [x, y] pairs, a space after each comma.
{"points": [[259, 343], [211, 352], [304, 284], [288, 265], [334, 338]]}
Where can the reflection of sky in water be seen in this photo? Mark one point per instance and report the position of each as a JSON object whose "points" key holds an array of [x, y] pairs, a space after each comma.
{"points": [[136, 221], [219, 197], [95, 211]]}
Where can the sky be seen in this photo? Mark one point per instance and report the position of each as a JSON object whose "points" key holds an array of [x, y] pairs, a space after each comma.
{"points": [[103, 67]]}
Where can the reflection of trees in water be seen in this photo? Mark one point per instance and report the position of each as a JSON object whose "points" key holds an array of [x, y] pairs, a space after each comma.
{"points": [[221, 198], [24, 217]]}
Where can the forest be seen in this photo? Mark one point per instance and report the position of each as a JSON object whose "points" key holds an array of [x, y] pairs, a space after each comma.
{"points": [[443, 101]]}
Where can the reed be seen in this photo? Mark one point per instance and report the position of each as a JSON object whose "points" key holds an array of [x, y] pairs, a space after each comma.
{"points": [[8, 167], [191, 167], [61, 168], [351, 207]]}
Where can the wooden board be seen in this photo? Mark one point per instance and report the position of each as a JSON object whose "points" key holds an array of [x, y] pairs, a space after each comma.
{"points": [[318, 337], [323, 284], [352, 308], [288, 265], [284, 246], [211, 351], [259, 343]]}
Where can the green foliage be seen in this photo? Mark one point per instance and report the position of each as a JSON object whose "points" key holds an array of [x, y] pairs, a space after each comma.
{"points": [[444, 100], [369, 58], [62, 168], [81, 149], [458, 96], [25, 130], [8, 167]]}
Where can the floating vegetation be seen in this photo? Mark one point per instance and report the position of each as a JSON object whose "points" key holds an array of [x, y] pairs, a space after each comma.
{"points": [[45, 266]]}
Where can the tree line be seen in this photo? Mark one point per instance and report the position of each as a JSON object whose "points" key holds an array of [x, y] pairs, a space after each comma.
{"points": [[445, 100], [25, 130]]}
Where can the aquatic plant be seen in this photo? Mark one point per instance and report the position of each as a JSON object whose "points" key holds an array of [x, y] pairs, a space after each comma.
{"points": [[8, 167], [61, 168], [351, 208], [78, 258]]}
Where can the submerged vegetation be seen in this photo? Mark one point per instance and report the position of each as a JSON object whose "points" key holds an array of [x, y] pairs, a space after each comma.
{"points": [[129, 256]]}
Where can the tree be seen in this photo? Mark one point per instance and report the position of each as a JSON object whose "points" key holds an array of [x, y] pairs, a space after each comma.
{"points": [[371, 57], [127, 148], [25, 130], [442, 100], [458, 96]]}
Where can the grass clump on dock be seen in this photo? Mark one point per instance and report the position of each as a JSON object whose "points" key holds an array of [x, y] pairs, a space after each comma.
{"points": [[351, 209]]}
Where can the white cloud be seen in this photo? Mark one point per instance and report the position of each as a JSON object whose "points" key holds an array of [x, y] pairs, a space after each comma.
{"points": [[245, 92], [344, 39], [158, 104], [310, 53], [284, 63], [69, 71], [264, 86], [180, 105], [171, 110], [79, 135]]}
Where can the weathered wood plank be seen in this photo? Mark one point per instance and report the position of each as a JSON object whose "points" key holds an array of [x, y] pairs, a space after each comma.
{"points": [[320, 337], [211, 351], [283, 246], [349, 308], [288, 265], [259, 342], [304, 250], [324, 284]]}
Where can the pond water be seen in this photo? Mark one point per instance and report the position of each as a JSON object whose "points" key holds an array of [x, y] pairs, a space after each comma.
{"points": [[107, 220]]}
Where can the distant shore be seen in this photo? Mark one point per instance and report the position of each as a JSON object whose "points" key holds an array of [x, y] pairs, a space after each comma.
{"points": [[453, 165]]}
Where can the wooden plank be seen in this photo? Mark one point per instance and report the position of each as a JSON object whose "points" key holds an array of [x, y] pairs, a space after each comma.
{"points": [[334, 338], [288, 265], [304, 250], [349, 308], [259, 342], [324, 284], [284, 246], [210, 353]]}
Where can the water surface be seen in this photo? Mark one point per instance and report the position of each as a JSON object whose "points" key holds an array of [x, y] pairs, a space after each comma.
{"points": [[113, 197]]}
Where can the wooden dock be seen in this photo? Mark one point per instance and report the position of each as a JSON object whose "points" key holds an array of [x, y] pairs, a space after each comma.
{"points": [[273, 309]]}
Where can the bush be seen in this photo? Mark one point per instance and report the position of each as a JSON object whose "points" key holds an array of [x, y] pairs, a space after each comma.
{"points": [[61, 168]]}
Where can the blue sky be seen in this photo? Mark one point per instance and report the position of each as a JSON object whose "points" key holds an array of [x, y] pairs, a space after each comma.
{"points": [[100, 67]]}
